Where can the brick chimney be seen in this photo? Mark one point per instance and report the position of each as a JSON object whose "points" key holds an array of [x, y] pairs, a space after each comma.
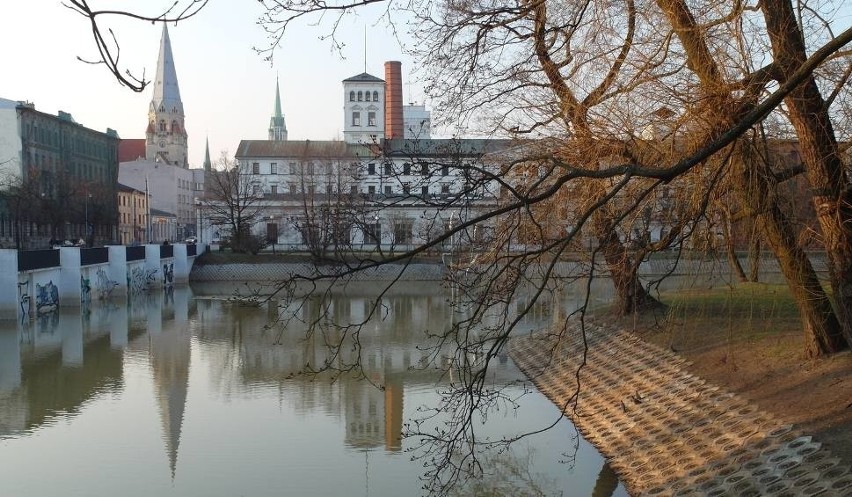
{"points": [[394, 126]]}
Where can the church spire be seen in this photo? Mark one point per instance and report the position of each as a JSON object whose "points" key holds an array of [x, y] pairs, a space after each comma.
{"points": [[207, 165], [277, 126], [166, 136]]}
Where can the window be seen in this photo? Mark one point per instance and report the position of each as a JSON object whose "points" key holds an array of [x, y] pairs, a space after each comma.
{"points": [[375, 96], [353, 189], [373, 233], [351, 96], [291, 186], [371, 168], [294, 169], [255, 168], [371, 118], [406, 168], [371, 189], [406, 188], [273, 168], [329, 189], [360, 96], [424, 191], [445, 188], [274, 189], [162, 125], [258, 190], [445, 170], [402, 231], [356, 118], [424, 169], [367, 96], [388, 169], [388, 190]]}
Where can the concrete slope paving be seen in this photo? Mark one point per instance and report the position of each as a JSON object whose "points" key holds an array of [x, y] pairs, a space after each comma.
{"points": [[667, 432]]}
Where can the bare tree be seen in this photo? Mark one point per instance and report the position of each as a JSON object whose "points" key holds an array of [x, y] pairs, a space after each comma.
{"points": [[231, 200]]}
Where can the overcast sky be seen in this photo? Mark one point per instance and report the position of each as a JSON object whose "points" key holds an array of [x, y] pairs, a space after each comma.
{"points": [[227, 89]]}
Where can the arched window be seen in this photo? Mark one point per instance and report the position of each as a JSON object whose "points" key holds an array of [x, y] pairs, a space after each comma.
{"points": [[351, 96], [175, 127], [162, 125], [375, 96], [367, 96], [360, 96]]}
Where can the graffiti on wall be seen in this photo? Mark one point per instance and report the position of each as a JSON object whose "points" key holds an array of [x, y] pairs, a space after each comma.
{"points": [[47, 297], [24, 297], [168, 274], [85, 289], [105, 286], [139, 279]]}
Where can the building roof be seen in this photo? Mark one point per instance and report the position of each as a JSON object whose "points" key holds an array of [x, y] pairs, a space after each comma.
{"points": [[128, 189], [131, 149], [160, 213], [365, 77], [445, 147], [331, 149]]}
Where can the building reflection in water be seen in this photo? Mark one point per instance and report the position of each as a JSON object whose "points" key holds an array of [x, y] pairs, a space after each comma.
{"points": [[55, 364]]}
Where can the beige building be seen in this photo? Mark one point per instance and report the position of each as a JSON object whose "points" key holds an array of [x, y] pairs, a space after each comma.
{"points": [[133, 215]]}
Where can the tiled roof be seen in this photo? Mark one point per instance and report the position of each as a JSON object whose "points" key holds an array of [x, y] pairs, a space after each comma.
{"points": [[304, 148], [131, 149]]}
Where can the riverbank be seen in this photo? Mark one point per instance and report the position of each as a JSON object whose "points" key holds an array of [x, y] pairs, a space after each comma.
{"points": [[665, 430], [744, 340]]}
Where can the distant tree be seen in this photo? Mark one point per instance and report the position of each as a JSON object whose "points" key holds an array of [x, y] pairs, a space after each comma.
{"points": [[231, 200]]}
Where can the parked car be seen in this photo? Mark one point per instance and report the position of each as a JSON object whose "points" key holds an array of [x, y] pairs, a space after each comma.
{"points": [[192, 240]]}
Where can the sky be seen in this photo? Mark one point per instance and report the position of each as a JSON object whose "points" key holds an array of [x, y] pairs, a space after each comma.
{"points": [[228, 90]]}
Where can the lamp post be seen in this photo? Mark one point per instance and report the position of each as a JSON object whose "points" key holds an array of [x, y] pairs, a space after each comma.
{"points": [[87, 232], [198, 216]]}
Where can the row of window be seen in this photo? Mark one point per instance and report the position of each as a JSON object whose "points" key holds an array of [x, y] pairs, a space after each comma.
{"points": [[422, 169], [356, 118], [127, 218], [51, 138], [363, 96], [354, 190], [139, 201]]}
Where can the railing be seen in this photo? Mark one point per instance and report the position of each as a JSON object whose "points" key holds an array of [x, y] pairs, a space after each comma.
{"points": [[166, 251], [37, 259], [135, 253], [97, 255]]}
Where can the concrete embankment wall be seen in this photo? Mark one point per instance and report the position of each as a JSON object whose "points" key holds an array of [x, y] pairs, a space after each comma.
{"points": [[271, 272]]}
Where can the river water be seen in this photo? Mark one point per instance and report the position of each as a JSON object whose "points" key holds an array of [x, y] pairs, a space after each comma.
{"points": [[186, 393]]}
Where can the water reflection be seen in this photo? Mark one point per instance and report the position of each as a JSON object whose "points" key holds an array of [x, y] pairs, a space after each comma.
{"points": [[177, 395]]}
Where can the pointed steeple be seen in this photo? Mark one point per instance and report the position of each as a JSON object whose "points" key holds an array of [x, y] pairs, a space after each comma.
{"points": [[207, 165], [166, 90], [166, 136], [277, 126]]}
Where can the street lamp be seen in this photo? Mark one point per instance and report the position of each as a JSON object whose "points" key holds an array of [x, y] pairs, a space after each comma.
{"points": [[198, 215], [87, 232]]}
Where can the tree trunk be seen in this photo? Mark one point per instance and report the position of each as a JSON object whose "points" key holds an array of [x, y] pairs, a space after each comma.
{"points": [[832, 192], [754, 252], [821, 329], [733, 260], [623, 267]]}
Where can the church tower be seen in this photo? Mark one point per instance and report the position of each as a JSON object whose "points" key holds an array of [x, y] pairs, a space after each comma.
{"points": [[277, 126], [166, 136], [208, 166]]}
